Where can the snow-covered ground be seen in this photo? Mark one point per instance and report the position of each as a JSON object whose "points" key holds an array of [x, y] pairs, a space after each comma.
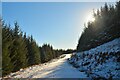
{"points": [[100, 62], [57, 68]]}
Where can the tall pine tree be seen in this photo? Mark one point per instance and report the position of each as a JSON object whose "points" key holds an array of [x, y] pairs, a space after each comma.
{"points": [[7, 65]]}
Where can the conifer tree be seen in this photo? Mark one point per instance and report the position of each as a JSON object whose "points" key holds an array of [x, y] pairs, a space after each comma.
{"points": [[103, 29], [18, 50], [7, 65], [34, 53]]}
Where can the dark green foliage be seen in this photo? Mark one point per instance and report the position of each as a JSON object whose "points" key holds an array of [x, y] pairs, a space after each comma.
{"points": [[68, 51], [34, 53], [20, 51], [106, 27], [7, 66], [48, 53]]}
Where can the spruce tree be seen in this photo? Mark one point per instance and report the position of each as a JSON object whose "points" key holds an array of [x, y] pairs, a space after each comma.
{"points": [[33, 52], [103, 29], [7, 65], [18, 50]]}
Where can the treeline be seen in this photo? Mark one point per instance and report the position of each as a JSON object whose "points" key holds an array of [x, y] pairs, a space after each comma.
{"points": [[106, 27], [21, 51], [48, 53], [69, 51]]}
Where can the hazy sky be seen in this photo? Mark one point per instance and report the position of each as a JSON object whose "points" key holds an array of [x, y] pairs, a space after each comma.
{"points": [[57, 23]]}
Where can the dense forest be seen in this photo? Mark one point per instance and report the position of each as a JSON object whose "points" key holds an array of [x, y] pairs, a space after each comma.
{"points": [[106, 27], [20, 51]]}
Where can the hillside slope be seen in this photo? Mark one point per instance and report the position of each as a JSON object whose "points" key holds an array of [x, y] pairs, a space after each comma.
{"points": [[100, 62], [104, 28]]}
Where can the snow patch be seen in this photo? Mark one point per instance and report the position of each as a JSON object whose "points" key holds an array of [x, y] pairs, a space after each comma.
{"points": [[100, 62], [57, 68]]}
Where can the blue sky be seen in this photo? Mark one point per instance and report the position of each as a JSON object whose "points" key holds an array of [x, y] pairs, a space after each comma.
{"points": [[0, 8], [57, 23], [59, 0]]}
